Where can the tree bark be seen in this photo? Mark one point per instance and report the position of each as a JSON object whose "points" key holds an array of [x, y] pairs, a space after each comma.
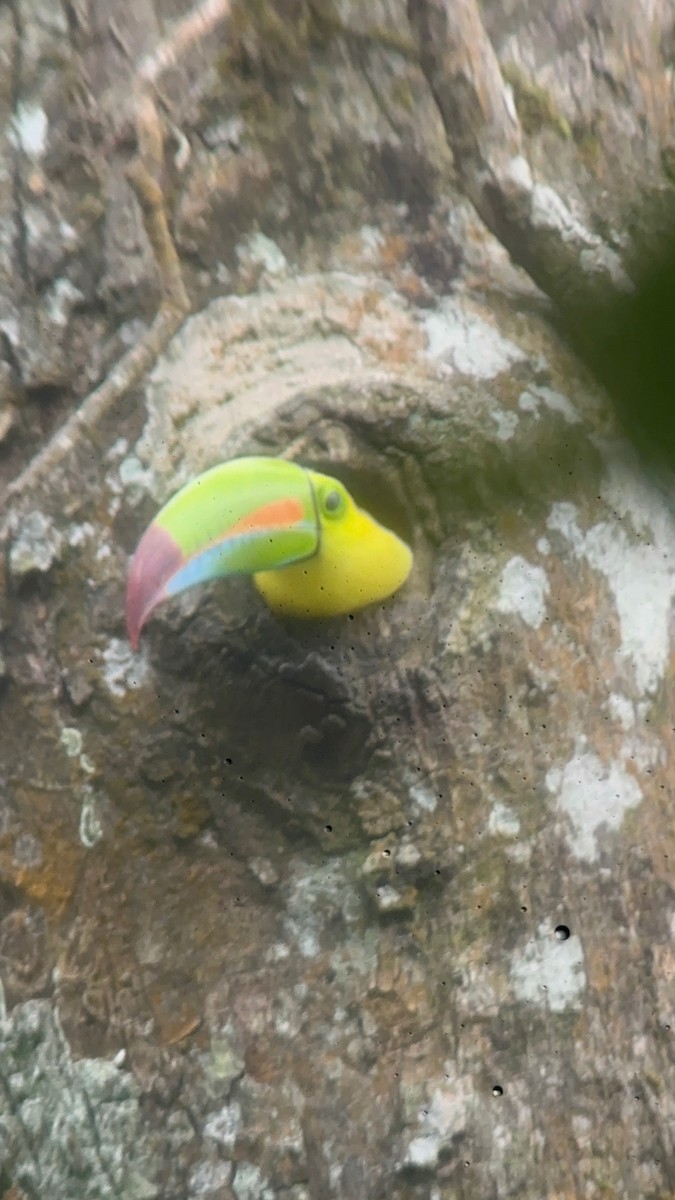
{"points": [[374, 907]]}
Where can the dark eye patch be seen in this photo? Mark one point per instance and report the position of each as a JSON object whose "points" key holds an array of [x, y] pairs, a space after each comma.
{"points": [[332, 501]]}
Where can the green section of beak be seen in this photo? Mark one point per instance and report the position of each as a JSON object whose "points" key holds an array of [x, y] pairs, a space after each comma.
{"points": [[242, 517], [247, 515]]}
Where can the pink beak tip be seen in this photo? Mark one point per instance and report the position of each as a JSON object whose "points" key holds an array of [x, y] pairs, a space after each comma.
{"points": [[157, 558]]}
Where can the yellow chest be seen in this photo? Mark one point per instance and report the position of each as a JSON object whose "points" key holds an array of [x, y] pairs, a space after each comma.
{"points": [[359, 562]]}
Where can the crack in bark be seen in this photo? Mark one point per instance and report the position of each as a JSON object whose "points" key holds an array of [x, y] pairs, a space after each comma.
{"points": [[569, 263]]}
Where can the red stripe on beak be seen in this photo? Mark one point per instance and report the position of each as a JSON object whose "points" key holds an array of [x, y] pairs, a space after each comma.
{"points": [[277, 515]]}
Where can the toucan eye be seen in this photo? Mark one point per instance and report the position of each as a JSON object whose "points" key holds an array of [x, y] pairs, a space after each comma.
{"points": [[332, 502]]}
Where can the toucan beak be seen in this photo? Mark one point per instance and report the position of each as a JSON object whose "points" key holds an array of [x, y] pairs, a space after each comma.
{"points": [[240, 518]]}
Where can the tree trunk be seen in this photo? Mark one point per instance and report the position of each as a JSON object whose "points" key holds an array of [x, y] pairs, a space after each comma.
{"points": [[377, 907]]}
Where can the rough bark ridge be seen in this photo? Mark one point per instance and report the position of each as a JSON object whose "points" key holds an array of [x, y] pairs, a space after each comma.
{"points": [[373, 908]]}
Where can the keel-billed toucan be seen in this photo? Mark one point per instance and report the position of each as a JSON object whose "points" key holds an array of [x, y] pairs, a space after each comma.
{"points": [[311, 551]]}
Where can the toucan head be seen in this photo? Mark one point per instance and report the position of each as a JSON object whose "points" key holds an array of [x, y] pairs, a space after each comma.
{"points": [[311, 551]]}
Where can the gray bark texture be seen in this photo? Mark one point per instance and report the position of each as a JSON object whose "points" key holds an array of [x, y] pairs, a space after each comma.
{"points": [[379, 908]]}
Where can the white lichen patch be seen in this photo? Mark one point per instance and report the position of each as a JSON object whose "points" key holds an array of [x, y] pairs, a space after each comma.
{"points": [[263, 252], [390, 900], [549, 211], [459, 340], [408, 855], [308, 943], [90, 826], [77, 535], [422, 1152], [209, 1180], [622, 710], [264, 871], [528, 403], [523, 589], [118, 449], [60, 301], [506, 422], [277, 952], [316, 896], [69, 235], [443, 1118], [518, 169], [71, 740], [36, 547], [423, 797], [224, 1064], [250, 1184], [29, 129], [123, 670], [372, 239], [534, 397], [503, 821], [481, 988], [641, 576], [224, 1125], [564, 518], [644, 753], [136, 480], [520, 852], [549, 973], [591, 795]]}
